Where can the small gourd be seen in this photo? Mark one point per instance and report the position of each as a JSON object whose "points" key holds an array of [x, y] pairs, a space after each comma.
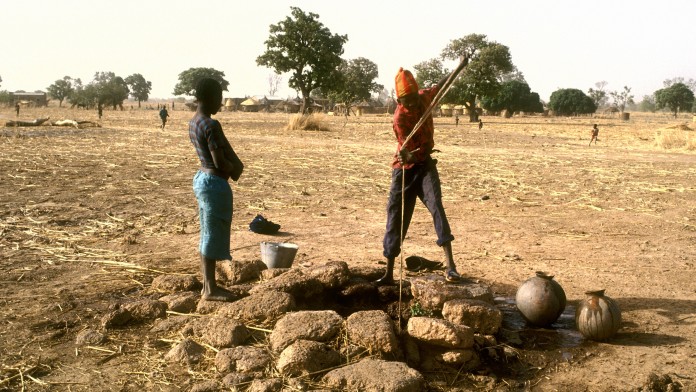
{"points": [[597, 316], [540, 300]]}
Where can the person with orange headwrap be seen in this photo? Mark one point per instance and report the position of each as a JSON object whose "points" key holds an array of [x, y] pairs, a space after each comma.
{"points": [[413, 162]]}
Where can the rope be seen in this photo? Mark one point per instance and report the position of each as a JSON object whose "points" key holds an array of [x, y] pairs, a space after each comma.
{"points": [[440, 94]]}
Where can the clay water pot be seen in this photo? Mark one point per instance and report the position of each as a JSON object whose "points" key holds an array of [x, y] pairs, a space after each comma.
{"points": [[541, 300], [598, 317]]}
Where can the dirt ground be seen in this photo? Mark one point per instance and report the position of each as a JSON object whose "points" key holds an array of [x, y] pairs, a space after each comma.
{"points": [[89, 216]]}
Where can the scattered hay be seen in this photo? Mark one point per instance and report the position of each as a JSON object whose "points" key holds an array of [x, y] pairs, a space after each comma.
{"points": [[306, 122], [675, 139], [681, 127]]}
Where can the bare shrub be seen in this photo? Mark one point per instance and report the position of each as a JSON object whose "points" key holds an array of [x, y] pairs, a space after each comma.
{"points": [[306, 122], [675, 139]]}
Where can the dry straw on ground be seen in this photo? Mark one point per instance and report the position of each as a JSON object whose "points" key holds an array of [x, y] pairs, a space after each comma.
{"points": [[307, 122]]}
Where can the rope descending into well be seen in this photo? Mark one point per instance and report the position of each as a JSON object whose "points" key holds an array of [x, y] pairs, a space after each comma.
{"points": [[438, 97]]}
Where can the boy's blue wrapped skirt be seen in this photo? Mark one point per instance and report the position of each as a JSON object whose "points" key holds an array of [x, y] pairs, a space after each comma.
{"points": [[214, 196]]}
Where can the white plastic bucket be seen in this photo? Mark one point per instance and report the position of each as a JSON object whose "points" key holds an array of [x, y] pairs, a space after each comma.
{"points": [[278, 254]]}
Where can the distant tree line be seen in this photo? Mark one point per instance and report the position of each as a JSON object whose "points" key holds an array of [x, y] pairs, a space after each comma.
{"points": [[106, 89], [306, 49]]}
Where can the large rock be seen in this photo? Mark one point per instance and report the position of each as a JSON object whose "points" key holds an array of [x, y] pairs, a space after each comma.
{"points": [[237, 381], [181, 302], [304, 357], [242, 359], [376, 376], [261, 307], [175, 283], [268, 385], [220, 331], [169, 324], [116, 318], [480, 316], [146, 310], [273, 272], [432, 291], [239, 271], [89, 337], [293, 282], [186, 352], [318, 326], [331, 275], [440, 332], [373, 330], [366, 272]]}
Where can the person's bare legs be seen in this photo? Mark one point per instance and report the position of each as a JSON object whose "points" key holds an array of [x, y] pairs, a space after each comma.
{"points": [[388, 277], [211, 291], [451, 275]]}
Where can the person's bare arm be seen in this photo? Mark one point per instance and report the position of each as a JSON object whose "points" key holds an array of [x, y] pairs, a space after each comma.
{"points": [[220, 161]]}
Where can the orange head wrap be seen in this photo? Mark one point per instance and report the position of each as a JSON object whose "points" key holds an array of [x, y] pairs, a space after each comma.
{"points": [[405, 83]]}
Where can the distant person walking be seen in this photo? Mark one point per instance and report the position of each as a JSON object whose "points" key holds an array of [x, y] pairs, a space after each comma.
{"points": [[456, 120], [163, 115], [17, 108], [99, 111], [480, 124], [595, 134]]}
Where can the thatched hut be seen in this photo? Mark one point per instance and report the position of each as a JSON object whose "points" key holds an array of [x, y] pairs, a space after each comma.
{"points": [[446, 110], [458, 110], [250, 105]]}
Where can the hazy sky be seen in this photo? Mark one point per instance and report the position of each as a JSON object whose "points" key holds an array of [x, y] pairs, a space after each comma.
{"points": [[556, 44]]}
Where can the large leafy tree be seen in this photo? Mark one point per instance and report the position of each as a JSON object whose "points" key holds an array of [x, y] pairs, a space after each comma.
{"points": [[189, 78], [690, 83], [513, 96], [139, 87], [61, 89], [354, 81], [307, 49], [489, 61], [678, 97], [429, 72], [571, 101], [83, 96], [112, 90]]}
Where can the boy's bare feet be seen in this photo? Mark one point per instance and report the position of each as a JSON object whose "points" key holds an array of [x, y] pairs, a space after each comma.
{"points": [[218, 294]]}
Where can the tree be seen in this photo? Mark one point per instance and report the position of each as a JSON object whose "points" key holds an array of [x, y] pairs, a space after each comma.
{"points": [[571, 101], [488, 62], [513, 96], [647, 104], [83, 96], [354, 82], [273, 83], [111, 90], [622, 98], [5, 97], [307, 49], [139, 87], [691, 83], [0, 80], [61, 89], [429, 72], [677, 98], [598, 95], [189, 79]]}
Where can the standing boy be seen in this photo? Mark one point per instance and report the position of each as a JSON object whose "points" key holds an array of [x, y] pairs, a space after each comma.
{"points": [[595, 134], [210, 185]]}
